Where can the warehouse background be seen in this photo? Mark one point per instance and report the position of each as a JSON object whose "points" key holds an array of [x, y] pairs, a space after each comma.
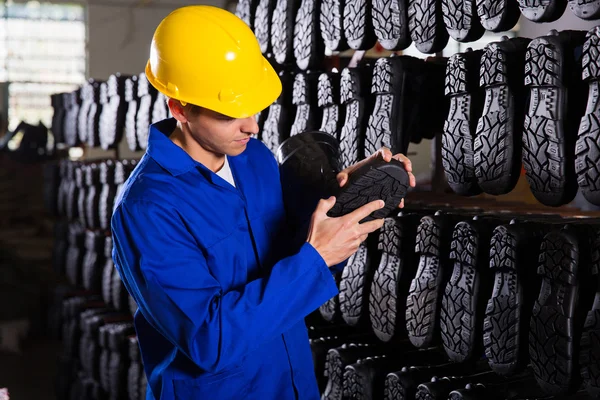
{"points": [[97, 39]]}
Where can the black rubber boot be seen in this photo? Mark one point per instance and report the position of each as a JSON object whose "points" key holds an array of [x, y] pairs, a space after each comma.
{"points": [[585, 9], [587, 151], [358, 24], [305, 100], [466, 103], [589, 357], [246, 10], [542, 10], [440, 388], [498, 15], [263, 18], [390, 22], [330, 310], [424, 302], [469, 287], [309, 49], [553, 74], [506, 325], [426, 24], [462, 21], [497, 142], [356, 101], [519, 386], [279, 118], [319, 348], [282, 30], [397, 268], [559, 313], [332, 25], [328, 94]]}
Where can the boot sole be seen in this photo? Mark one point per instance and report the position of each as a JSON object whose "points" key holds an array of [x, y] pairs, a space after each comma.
{"points": [[282, 30], [332, 29], [351, 136], [424, 297], [394, 390], [382, 125], [502, 325], [358, 25], [390, 23], [426, 26], [458, 316], [461, 20], [330, 311], [585, 9], [302, 97], [544, 148], [551, 345], [308, 44], [377, 180], [587, 148], [542, 10], [328, 102], [355, 286], [262, 24], [495, 152], [457, 141], [334, 371], [498, 15]]}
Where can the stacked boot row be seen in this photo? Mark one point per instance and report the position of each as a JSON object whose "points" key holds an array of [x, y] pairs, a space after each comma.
{"points": [[435, 291], [523, 102], [93, 314], [99, 113], [298, 31], [389, 102]]}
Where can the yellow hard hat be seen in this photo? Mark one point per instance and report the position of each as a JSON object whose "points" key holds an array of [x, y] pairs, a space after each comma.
{"points": [[209, 57]]}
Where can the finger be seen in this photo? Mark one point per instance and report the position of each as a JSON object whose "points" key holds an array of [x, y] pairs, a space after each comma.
{"points": [[360, 213], [412, 180], [342, 178], [325, 205], [404, 160], [371, 226], [401, 204], [364, 237], [386, 154]]}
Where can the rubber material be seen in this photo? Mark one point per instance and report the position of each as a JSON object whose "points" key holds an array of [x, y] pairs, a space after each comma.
{"points": [[304, 98], [282, 30], [355, 287], [552, 75], [589, 357], [390, 23], [462, 73], [461, 20], [375, 180], [328, 94], [585, 9], [309, 49], [497, 143], [276, 128], [427, 30], [542, 10], [353, 97], [587, 150], [332, 25], [358, 24], [262, 24], [498, 15]]}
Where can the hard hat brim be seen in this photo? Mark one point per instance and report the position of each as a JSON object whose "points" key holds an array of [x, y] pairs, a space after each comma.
{"points": [[260, 96]]}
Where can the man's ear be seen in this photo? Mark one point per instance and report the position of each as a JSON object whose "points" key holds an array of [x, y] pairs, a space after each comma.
{"points": [[177, 110]]}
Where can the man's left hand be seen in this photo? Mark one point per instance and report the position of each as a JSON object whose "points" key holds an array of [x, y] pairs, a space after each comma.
{"points": [[386, 154]]}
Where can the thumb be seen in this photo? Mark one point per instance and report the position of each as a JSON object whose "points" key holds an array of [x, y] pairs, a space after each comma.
{"points": [[342, 178], [325, 205]]}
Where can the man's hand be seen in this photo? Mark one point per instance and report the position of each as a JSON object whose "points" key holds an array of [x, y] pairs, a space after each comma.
{"points": [[336, 239], [386, 154]]}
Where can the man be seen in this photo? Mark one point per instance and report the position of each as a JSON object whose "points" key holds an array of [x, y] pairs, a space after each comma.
{"points": [[198, 229]]}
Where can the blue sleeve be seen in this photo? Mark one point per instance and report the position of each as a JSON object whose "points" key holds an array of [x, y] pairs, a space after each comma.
{"points": [[167, 274]]}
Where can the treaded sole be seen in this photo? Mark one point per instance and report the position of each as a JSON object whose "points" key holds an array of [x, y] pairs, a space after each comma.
{"points": [[301, 98], [544, 148], [328, 102], [498, 15], [390, 23], [382, 123], [355, 287], [354, 385], [332, 29], [495, 155], [587, 150], [424, 298], [551, 345], [426, 26], [585, 9], [351, 137], [307, 36], [334, 370], [502, 324], [542, 10], [457, 140], [458, 316], [378, 180], [394, 390], [589, 357], [461, 20], [358, 25]]}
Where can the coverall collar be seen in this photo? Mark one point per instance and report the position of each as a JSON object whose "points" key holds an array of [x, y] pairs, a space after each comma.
{"points": [[172, 157]]}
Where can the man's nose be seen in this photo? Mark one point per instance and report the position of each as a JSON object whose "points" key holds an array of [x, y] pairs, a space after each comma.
{"points": [[250, 125]]}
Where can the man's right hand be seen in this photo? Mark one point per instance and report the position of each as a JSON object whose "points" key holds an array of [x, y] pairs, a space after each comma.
{"points": [[336, 239]]}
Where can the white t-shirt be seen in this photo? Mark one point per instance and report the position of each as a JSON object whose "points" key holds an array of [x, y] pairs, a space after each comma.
{"points": [[225, 172]]}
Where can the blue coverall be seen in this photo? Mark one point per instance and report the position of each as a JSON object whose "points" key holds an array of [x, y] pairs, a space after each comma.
{"points": [[221, 297]]}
